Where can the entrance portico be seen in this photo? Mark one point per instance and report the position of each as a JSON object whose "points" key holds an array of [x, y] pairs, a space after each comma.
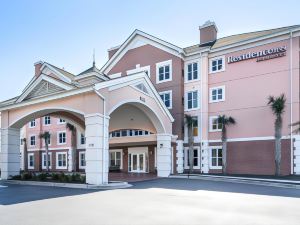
{"points": [[91, 108]]}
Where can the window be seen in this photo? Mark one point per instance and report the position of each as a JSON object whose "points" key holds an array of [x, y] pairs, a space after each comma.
{"points": [[166, 96], [32, 123], [195, 126], [164, 71], [125, 133], [216, 158], [61, 121], [32, 140], [61, 138], [192, 71], [61, 160], [217, 94], [31, 161], [44, 165], [82, 139], [196, 158], [115, 158], [47, 120], [214, 124], [217, 64], [82, 160], [192, 100]]}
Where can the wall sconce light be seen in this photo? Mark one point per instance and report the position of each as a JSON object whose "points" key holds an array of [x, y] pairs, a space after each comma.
{"points": [[161, 145]]}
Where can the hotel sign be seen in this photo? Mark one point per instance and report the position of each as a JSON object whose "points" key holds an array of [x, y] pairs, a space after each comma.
{"points": [[260, 55]]}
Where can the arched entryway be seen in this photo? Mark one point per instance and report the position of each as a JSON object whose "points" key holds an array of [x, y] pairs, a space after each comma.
{"points": [[127, 103]]}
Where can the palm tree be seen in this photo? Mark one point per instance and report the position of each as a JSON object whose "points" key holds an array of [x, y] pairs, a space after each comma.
{"points": [[46, 136], [190, 122], [72, 128], [224, 121], [277, 105], [25, 153]]}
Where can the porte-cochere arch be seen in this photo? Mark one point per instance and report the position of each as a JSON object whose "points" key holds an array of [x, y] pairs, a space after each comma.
{"points": [[93, 108]]}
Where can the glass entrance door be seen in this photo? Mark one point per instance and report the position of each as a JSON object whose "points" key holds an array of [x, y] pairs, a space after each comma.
{"points": [[136, 162]]}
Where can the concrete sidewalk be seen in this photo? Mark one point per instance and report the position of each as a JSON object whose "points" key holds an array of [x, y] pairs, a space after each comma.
{"points": [[285, 183]]}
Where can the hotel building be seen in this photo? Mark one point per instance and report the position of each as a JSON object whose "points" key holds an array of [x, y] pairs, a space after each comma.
{"points": [[231, 76]]}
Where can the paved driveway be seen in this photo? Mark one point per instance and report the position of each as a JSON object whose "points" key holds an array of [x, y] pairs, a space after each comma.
{"points": [[162, 201]]}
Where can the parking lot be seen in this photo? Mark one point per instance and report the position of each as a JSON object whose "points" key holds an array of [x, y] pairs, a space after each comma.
{"points": [[161, 201]]}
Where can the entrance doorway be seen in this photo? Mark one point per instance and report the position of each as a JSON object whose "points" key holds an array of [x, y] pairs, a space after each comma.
{"points": [[137, 160]]}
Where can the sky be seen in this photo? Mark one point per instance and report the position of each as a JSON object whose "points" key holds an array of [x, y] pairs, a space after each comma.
{"points": [[65, 32]]}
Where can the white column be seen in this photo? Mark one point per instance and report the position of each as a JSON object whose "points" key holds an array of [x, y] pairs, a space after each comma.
{"points": [[70, 160], [10, 153], [164, 156], [204, 157], [96, 133], [296, 154], [179, 156]]}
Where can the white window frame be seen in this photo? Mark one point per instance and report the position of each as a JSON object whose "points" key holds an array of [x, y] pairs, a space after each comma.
{"points": [[211, 119], [114, 151], [210, 157], [50, 157], [45, 121], [30, 123], [161, 64], [58, 133], [171, 97], [139, 69], [61, 167], [186, 151], [34, 140], [214, 59], [28, 162], [186, 100], [211, 95], [80, 158], [186, 79], [61, 121]]}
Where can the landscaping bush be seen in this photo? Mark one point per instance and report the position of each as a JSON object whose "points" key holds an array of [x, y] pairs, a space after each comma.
{"points": [[42, 176], [26, 176], [55, 176], [16, 177]]}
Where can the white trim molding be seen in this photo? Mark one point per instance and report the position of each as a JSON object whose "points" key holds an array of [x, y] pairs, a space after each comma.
{"points": [[217, 59], [211, 100], [211, 148], [164, 64], [66, 158]]}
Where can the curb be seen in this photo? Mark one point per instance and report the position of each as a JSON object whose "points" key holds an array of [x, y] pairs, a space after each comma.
{"points": [[239, 180], [111, 185]]}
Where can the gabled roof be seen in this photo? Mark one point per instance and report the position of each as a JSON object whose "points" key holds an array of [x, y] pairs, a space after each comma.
{"points": [[129, 44], [240, 38], [92, 71]]}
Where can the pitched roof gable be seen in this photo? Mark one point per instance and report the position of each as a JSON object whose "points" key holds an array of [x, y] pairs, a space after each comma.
{"points": [[136, 39]]}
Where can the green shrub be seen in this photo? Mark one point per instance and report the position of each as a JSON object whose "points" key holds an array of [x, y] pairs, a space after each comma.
{"points": [[26, 176], [55, 176], [16, 177], [83, 179], [42, 176]]}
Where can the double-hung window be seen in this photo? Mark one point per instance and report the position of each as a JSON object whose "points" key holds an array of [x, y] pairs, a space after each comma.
{"points": [[61, 160], [166, 96], [81, 160], [32, 140], [192, 71], [214, 124], [62, 138], [216, 158], [32, 123], [47, 120], [164, 71], [61, 121], [217, 94], [217, 64], [44, 165], [115, 158], [192, 100], [31, 161], [82, 139]]}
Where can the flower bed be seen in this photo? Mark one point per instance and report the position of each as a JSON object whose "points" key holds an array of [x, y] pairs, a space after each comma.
{"points": [[51, 177]]}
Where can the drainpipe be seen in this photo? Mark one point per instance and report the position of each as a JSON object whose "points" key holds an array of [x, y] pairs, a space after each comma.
{"points": [[291, 96], [104, 112]]}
